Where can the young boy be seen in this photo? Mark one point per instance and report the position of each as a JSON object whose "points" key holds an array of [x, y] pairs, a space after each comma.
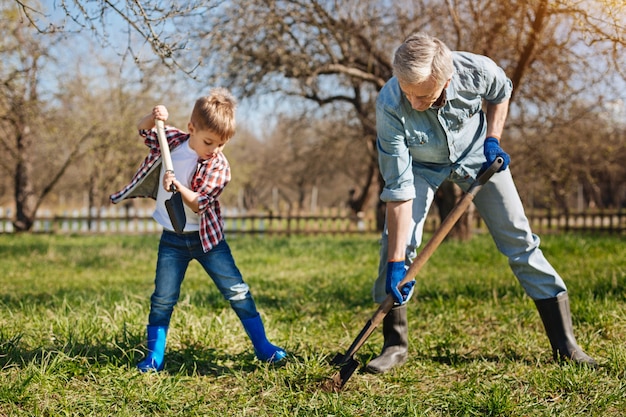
{"points": [[202, 171]]}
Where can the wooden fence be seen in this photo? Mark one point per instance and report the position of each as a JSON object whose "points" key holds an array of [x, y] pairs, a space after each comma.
{"points": [[609, 221], [332, 221]]}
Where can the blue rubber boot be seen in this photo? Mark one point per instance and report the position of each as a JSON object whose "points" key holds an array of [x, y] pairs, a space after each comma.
{"points": [[263, 349], [154, 361]]}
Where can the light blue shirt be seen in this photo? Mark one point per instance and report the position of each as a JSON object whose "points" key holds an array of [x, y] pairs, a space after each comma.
{"points": [[439, 141]]}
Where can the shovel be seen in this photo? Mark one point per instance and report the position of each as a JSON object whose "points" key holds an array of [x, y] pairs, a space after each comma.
{"points": [[346, 362], [174, 205]]}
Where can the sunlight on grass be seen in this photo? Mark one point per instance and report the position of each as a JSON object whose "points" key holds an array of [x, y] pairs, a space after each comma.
{"points": [[73, 311]]}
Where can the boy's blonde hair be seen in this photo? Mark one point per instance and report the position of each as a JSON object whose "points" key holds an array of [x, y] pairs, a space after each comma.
{"points": [[216, 112]]}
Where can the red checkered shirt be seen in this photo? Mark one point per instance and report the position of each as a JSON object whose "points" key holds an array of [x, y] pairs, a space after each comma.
{"points": [[209, 181]]}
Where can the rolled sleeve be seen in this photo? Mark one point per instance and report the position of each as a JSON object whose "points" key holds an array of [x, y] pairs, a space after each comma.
{"points": [[394, 158], [499, 87]]}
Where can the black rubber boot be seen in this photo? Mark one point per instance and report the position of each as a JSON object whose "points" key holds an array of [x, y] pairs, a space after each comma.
{"points": [[395, 348], [557, 320]]}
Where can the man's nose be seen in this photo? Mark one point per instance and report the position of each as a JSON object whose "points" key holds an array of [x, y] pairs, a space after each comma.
{"points": [[417, 104]]}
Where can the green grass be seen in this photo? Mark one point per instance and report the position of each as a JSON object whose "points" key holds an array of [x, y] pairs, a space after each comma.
{"points": [[73, 311]]}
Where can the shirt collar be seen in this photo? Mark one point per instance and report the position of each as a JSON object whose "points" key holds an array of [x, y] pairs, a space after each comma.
{"points": [[441, 101]]}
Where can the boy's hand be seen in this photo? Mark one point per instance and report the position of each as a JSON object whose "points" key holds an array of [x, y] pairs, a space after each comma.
{"points": [[168, 179], [160, 112]]}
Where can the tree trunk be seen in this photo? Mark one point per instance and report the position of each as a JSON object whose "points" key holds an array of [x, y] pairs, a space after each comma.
{"points": [[25, 199], [446, 198]]}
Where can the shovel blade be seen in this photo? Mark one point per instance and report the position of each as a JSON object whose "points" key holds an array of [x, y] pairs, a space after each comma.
{"points": [[347, 366], [176, 211], [339, 359]]}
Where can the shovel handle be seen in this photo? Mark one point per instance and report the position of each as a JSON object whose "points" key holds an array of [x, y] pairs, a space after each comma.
{"points": [[377, 318], [165, 147], [448, 223], [423, 256], [491, 169], [385, 307]]}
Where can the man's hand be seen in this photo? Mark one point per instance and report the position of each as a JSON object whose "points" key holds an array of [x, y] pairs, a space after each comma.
{"points": [[493, 150], [396, 271]]}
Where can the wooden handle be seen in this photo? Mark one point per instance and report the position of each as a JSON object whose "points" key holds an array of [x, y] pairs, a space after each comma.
{"points": [[449, 222], [165, 148]]}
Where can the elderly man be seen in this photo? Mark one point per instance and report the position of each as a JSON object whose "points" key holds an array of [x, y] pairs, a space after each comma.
{"points": [[441, 117]]}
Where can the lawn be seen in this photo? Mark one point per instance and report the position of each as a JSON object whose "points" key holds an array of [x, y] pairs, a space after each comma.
{"points": [[73, 311]]}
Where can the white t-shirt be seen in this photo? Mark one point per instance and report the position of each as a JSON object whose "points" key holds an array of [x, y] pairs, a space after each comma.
{"points": [[185, 161]]}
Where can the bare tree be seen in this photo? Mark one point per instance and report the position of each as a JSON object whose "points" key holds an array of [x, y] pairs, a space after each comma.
{"points": [[142, 23], [337, 54], [22, 122], [295, 156], [583, 165], [320, 52], [75, 140], [559, 55], [330, 52], [114, 149]]}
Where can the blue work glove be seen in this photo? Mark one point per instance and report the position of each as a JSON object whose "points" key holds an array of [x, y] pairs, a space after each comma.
{"points": [[493, 150], [396, 271]]}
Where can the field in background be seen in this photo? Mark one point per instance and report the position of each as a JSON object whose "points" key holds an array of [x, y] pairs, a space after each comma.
{"points": [[73, 311]]}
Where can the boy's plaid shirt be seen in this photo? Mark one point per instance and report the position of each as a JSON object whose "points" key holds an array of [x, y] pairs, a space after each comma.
{"points": [[209, 181]]}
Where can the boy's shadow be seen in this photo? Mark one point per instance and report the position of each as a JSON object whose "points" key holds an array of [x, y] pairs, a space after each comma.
{"points": [[205, 361], [193, 360]]}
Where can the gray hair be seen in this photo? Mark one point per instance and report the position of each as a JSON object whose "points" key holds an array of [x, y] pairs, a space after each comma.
{"points": [[421, 57]]}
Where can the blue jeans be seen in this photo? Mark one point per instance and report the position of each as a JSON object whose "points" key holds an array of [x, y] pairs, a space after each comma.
{"points": [[501, 209], [175, 253]]}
